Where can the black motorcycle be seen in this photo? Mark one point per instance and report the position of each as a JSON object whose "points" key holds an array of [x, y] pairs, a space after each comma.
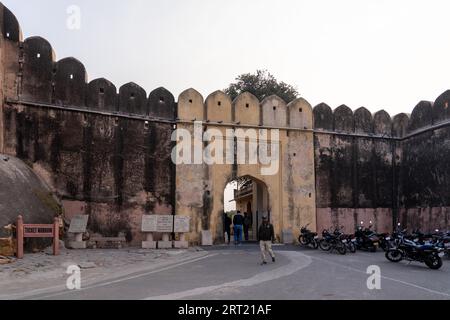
{"points": [[331, 242], [308, 238], [366, 239], [412, 251], [384, 241]]}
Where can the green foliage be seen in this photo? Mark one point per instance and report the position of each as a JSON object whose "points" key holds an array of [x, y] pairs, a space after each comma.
{"points": [[262, 84]]}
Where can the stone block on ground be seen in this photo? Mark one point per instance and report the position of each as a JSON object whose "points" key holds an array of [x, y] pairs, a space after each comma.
{"points": [[288, 237], [181, 244], [206, 238], [165, 244], [148, 244], [77, 245]]}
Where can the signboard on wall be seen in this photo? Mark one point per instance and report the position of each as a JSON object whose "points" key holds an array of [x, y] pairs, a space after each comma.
{"points": [[182, 224], [157, 223]]}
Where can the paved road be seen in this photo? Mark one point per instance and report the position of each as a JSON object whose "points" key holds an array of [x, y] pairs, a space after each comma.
{"points": [[234, 273]]}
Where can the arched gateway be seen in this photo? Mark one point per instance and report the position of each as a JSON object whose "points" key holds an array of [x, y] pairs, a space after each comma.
{"points": [[286, 171]]}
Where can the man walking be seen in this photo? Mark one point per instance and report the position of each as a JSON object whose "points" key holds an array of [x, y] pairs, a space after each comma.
{"points": [[266, 236], [227, 227], [238, 222]]}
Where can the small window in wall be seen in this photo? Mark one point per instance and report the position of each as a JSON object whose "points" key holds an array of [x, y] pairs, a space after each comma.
{"points": [[247, 105], [132, 95], [146, 124], [300, 110], [102, 90], [219, 103], [446, 105], [190, 101], [274, 108], [7, 34], [71, 77], [38, 55], [161, 99], [295, 154]]}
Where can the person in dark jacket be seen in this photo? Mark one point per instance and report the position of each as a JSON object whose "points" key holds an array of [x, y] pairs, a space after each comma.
{"points": [[227, 226], [238, 222], [247, 224], [266, 237]]}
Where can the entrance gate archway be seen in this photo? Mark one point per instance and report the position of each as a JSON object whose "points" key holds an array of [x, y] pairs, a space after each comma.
{"points": [[250, 196]]}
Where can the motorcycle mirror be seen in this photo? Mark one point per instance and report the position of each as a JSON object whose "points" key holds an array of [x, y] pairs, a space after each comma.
{"points": [[399, 224], [371, 222], [362, 222]]}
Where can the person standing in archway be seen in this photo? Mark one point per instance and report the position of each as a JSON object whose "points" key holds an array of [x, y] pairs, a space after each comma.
{"points": [[227, 226], [266, 237], [238, 222], [247, 224]]}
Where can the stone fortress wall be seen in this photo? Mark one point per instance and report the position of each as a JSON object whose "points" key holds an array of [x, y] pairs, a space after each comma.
{"points": [[107, 152]]}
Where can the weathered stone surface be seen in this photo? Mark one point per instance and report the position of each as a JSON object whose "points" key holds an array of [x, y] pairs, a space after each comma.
{"points": [[22, 192]]}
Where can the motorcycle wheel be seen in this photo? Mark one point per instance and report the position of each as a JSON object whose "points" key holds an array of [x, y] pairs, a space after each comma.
{"points": [[315, 244], [341, 248], [433, 262], [351, 247], [302, 240], [324, 245], [394, 255]]}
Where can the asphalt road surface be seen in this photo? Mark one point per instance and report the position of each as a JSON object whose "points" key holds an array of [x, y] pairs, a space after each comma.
{"points": [[234, 273]]}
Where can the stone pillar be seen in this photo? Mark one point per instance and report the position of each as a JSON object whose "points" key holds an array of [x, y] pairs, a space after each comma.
{"points": [[165, 243], [182, 243], [149, 243]]}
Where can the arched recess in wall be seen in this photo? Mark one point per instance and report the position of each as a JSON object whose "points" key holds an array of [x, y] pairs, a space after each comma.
{"points": [[421, 117], [300, 114], [343, 119], [274, 112], [38, 62], [400, 125], [441, 108], [191, 106], [219, 107], [246, 109], [102, 95], [70, 83], [323, 117], [382, 123], [363, 121], [161, 104], [132, 99], [11, 28]]}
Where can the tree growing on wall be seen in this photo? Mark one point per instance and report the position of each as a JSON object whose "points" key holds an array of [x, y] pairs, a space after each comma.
{"points": [[262, 84]]}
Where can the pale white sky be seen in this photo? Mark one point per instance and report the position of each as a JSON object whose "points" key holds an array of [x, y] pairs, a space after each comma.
{"points": [[372, 53]]}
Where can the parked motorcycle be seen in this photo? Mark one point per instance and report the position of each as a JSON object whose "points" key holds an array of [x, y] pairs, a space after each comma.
{"points": [[348, 240], [308, 238], [331, 242], [409, 250], [385, 241], [366, 239]]}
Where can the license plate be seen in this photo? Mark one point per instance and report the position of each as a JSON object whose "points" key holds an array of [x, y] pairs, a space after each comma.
{"points": [[353, 240], [344, 241], [388, 239], [375, 243]]}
